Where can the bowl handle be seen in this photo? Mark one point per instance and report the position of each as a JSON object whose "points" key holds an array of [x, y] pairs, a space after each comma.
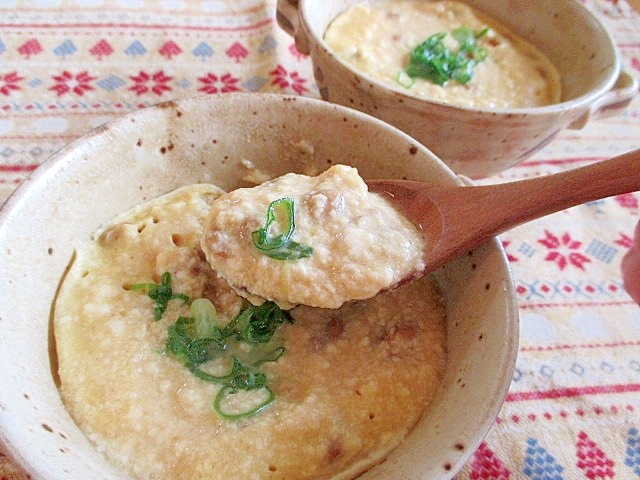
{"points": [[288, 18], [611, 103]]}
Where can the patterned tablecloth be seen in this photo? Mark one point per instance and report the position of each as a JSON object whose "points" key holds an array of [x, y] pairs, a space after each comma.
{"points": [[573, 410]]}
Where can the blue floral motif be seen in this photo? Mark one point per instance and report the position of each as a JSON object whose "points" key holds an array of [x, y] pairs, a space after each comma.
{"points": [[268, 44], [111, 83], [203, 50], [65, 48], [255, 84], [135, 49], [632, 453], [539, 464]]}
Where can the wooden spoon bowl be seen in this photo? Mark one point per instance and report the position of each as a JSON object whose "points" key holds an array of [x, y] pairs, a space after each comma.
{"points": [[455, 219]]}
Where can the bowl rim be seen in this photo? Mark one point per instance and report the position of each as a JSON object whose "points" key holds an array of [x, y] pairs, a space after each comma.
{"points": [[42, 178]]}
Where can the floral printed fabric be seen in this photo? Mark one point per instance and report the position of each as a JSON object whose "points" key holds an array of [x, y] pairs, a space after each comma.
{"points": [[573, 410], [67, 68]]}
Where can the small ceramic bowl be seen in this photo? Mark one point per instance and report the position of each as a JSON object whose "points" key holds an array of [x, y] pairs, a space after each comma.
{"points": [[472, 141], [211, 139]]}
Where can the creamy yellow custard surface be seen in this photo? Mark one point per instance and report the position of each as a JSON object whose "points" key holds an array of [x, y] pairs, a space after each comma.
{"points": [[377, 38], [360, 244], [348, 387]]}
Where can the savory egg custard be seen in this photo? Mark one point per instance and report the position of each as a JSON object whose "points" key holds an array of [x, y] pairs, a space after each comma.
{"points": [[344, 242], [173, 375], [444, 51]]}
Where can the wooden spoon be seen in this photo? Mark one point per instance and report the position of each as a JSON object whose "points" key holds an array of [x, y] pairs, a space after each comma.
{"points": [[455, 219]]}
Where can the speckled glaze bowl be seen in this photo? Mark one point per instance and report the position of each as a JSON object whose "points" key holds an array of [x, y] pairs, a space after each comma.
{"points": [[480, 142], [210, 139]]}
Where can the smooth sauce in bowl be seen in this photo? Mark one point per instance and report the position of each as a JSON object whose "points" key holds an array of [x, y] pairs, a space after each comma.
{"points": [[377, 39]]}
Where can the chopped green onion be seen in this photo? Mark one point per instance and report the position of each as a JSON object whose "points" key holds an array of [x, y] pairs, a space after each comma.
{"points": [[280, 246], [404, 80], [223, 403], [199, 338], [183, 342], [205, 317], [257, 324], [240, 378], [434, 61], [258, 358], [161, 293]]}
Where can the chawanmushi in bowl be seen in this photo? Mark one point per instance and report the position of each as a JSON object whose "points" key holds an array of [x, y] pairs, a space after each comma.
{"points": [[129, 356], [482, 83]]}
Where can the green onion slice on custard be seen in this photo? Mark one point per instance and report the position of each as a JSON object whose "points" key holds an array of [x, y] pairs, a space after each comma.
{"points": [[274, 239], [230, 407], [433, 60], [201, 337], [162, 294]]}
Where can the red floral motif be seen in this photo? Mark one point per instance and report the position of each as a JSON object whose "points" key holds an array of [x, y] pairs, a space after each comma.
{"points": [[285, 79], [169, 49], [487, 465], [616, 10], [31, 47], [635, 63], [293, 50], [511, 258], [625, 240], [214, 84], [9, 83], [66, 82], [101, 49], [592, 460], [627, 200], [156, 83], [564, 250], [237, 51]]}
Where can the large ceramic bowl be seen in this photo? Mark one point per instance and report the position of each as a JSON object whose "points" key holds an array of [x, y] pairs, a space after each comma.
{"points": [[210, 139], [480, 142]]}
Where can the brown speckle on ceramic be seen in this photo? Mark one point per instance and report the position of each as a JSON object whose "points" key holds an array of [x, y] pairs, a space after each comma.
{"points": [[165, 149]]}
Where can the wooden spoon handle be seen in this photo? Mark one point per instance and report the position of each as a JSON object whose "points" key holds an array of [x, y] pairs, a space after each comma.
{"points": [[491, 210]]}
